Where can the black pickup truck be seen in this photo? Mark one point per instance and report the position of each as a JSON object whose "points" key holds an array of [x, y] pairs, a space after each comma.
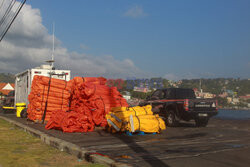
{"points": [[177, 104]]}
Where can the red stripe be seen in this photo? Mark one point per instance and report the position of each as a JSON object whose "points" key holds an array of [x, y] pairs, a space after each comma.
{"points": [[171, 100]]}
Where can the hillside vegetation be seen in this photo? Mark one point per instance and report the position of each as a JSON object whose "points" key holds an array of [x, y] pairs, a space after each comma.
{"points": [[7, 78], [219, 85]]}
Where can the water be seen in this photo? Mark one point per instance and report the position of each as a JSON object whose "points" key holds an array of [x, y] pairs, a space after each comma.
{"points": [[233, 114]]}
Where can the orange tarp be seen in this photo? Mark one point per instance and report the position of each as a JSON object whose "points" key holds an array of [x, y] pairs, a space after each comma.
{"points": [[74, 106], [91, 100], [47, 95]]}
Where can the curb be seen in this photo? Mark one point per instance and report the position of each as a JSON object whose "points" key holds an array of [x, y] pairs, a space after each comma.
{"points": [[65, 146]]}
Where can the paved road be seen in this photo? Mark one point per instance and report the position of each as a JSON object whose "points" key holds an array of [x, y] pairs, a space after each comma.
{"points": [[222, 143]]}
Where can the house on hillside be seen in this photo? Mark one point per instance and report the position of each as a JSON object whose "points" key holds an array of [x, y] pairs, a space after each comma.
{"points": [[246, 97], [142, 89], [201, 94], [223, 95], [233, 100], [5, 88]]}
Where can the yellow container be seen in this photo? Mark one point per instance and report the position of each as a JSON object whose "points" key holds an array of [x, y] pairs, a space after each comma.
{"points": [[19, 108]]}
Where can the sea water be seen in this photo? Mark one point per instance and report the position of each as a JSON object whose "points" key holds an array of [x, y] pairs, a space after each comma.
{"points": [[233, 114]]}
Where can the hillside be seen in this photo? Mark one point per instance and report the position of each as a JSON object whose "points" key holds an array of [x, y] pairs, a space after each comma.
{"points": [[7, 78], [218, 85]]}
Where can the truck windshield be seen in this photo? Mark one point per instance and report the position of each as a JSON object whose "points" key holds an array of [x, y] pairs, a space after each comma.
{"points": [[184, 94]]}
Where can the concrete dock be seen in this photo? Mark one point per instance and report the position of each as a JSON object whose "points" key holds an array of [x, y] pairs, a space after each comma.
{"points": [[222, 143]]}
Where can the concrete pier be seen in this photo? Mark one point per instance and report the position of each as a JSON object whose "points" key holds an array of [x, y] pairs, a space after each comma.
{"points": [[222, 143]]}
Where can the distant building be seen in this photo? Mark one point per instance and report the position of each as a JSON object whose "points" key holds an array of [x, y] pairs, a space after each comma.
{"points": [[141, 89], [5, 89], [245, 97], [229, 99], [223, 95], [197, 93], [173, 84], [233, 100], [203, 94], [179, 82], [207, 95], [236, 100], [126, 95], [230, 92]]}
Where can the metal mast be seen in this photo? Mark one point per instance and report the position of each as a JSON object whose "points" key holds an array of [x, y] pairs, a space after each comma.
{"points": [[51, 62], [53, 49]]}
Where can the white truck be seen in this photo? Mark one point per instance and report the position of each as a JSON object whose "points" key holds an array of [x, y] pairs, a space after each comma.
{"points": [[24, 80]]}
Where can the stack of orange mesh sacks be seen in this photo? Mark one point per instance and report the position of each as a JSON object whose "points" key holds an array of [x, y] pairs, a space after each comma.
{"points": [[47, 96], [91, 100]]}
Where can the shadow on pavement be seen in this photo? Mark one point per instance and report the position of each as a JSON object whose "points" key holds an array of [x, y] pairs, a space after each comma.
{"points": [[188, 136], [147, 156], [186, 125]]}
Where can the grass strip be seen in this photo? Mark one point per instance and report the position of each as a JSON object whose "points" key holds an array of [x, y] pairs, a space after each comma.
{"points": [[20, 149]]}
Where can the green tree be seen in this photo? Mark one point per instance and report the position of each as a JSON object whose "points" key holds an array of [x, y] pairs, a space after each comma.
{"points": [[139, 95], [7, 78], [222, 101]]}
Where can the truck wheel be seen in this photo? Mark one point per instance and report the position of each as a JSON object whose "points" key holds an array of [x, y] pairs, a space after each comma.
{"points": [[170, 119], [201, 122], [24, 113]]}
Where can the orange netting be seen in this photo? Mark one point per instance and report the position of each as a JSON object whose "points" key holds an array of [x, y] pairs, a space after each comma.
{"points": [[46, 96], [75, 106], [90, 101]]}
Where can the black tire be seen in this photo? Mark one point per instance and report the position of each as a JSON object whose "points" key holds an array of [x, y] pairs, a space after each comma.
{"points": [[24, 113], [201, 122], [171, 119]]}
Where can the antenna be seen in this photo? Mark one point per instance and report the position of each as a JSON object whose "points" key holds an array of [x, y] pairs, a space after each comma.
{"points": [[51, 62], [53, 49]]}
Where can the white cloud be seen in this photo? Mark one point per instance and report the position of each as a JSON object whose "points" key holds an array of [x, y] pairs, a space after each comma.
{"points": [[84, 47], [171, 76], [28, 45], [135, 12]]}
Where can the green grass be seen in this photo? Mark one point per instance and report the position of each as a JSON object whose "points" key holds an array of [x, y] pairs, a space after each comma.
{"points": [[19, 149]]}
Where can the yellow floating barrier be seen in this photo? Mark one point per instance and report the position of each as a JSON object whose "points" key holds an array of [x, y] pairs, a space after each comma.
{"points": [[135, 119]]}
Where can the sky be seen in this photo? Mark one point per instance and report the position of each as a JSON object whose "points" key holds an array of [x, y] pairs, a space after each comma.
{"points": [[173, 39]]}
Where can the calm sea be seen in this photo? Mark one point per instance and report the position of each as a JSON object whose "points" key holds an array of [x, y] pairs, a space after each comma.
{"points": [[233, 114]]}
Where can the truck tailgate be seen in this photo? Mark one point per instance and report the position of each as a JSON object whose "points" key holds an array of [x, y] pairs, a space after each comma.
{"points": [[202, 104]]}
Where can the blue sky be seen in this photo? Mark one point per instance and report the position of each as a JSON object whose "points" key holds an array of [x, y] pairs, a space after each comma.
{"points": [[168, 38]]}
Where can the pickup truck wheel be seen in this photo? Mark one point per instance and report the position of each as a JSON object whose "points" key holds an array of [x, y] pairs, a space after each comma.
{"points": [[201, 122], [170, 119], [24, 113]]}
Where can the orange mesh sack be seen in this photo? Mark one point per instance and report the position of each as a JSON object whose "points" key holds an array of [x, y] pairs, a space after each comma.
{"points": [[91, 99], [47, 96]]}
